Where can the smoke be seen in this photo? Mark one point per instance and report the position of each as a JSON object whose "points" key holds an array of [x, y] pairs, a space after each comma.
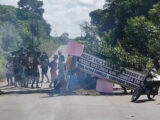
{"points": [[9, 37]]}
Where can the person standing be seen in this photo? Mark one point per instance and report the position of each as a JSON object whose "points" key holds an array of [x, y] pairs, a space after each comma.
{"points": [[68, 63], [9, 72], [17, 68], [72, 81], [61, 72], [35, 70], [44, 66], [23, 61], [28, 71], [53, 66], [59, 55]]}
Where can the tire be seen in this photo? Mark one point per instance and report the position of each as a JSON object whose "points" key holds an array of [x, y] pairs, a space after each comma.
{"points": [[150, 96], [137, 93]]}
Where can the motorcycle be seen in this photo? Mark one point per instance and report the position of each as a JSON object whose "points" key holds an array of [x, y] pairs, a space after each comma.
{"points": [[149, 87]]}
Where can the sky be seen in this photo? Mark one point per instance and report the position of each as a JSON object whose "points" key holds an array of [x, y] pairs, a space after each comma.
{"points": [[65, 15]]}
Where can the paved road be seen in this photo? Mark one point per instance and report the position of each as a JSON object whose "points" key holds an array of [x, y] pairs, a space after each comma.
{"points": [[42, 106], [26, 104]]}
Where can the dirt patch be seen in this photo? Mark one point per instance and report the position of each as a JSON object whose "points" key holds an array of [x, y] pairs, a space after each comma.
{"points": [[3, 83], [87, 92]]}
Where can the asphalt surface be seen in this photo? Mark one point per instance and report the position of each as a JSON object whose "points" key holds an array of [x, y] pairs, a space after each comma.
{"points": [[43, 104]]}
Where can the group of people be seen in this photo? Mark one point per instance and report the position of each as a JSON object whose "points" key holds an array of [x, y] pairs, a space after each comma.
{"points": [[23, 70], [66, 78]]}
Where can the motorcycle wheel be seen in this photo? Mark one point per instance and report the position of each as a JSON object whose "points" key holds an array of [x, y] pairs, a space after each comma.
{"points": [[137, 93], [150, 96]]}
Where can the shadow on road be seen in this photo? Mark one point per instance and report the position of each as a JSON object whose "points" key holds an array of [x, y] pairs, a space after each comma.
{"points": [[55, 93], [50, 92], [16, 90], [144, 101], [116, 93]]}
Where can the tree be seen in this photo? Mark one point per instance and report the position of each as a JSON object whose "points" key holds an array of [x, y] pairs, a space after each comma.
{"points": [[31, 11], [154, 14], [7, 13], [129, 31], [9, 37], [154, 44], [33, 6], [64, 38], [103, 20], [113, 18], [90, 37], [117, 57], [138, 33]]}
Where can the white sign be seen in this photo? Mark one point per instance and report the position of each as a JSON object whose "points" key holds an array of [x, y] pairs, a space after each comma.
{"points": [[100, 68]]}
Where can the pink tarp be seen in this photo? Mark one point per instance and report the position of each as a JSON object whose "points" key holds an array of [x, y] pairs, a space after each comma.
{"points": [[74, 48], [104, 86]]}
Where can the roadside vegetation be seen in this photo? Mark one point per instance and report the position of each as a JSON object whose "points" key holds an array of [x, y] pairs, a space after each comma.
{"points": [[125, 32], [24, 27]]}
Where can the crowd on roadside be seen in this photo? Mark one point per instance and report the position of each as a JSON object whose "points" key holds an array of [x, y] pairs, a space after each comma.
{"points": [[23, 70]]}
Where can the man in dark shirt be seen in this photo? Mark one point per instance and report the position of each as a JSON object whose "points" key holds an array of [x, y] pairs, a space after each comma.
{"points": [[44, 66], [35, 70]]}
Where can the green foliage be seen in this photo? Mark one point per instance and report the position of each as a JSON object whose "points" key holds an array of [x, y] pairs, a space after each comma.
{"points": [[24, 27], [90, 35], [119, 57], [138, 33], [115, 14], [16, 30], [7, 13], [154, 14], [104, 21], [33, 6], [9, 37], [129, 31]]}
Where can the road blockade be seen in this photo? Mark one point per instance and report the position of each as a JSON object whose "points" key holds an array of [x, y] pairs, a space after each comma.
{"points": [[99, 68]]}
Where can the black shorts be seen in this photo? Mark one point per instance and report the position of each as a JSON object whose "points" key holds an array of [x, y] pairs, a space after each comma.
{"points": [[44, 70], [9, 75]]}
